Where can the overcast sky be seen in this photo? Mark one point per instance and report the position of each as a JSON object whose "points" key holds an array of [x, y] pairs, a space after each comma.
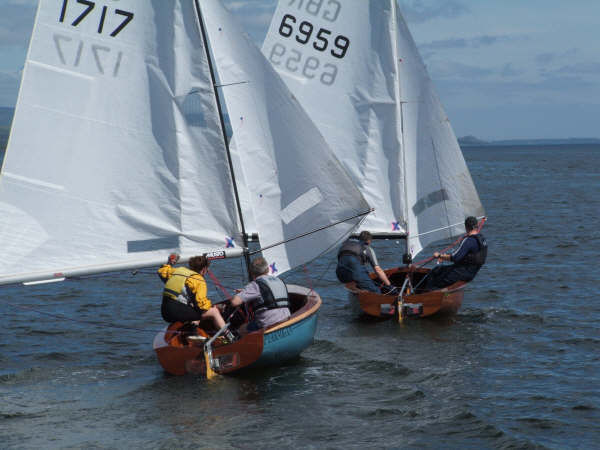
{"points": [[502, 68]]}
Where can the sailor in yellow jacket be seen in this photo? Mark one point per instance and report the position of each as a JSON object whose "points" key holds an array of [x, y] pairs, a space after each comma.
{"points": [[184, 295]]}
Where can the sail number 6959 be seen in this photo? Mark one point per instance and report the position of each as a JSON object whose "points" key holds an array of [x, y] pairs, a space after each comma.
{"points": [[322, 37]]}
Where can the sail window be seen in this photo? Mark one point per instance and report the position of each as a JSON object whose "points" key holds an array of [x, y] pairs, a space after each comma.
{"points": [[430, 200], [192, 109]]}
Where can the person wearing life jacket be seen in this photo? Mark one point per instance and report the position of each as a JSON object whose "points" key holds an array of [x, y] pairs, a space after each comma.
{"points": [[467, 258], [266, 297], [184, 295], [353, 256]]}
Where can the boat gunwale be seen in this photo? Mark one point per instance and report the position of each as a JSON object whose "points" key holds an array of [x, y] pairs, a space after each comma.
{"points": [[309, 312]]}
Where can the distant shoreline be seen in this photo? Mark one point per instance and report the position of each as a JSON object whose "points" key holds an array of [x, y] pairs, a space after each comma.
{"points": [[474, 142]]}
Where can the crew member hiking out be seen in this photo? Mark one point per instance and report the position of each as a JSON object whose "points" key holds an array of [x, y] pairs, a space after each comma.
{"points": [[468, 259], [184, 295], [353, 256]]}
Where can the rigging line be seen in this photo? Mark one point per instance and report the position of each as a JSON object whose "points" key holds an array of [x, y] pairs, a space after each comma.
{"points": [[443, 228], [308, 279], [325, 271], [309, 232], [231, 84], [218, 284]]}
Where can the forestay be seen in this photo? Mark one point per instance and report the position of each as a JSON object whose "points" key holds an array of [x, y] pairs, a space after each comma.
{"points": [[116, 155], [295, 183], [354, 67]]}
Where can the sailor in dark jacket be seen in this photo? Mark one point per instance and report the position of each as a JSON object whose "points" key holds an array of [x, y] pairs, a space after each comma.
{"points": [[353, 256], [468, 259]]}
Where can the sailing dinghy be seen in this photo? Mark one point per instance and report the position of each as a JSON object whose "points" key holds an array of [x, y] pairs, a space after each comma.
{"points": [[118, 157], [355, 68]]}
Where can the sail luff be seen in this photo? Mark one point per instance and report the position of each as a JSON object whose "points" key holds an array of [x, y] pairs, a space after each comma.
{"points": [[400, 122], [206, 40]]}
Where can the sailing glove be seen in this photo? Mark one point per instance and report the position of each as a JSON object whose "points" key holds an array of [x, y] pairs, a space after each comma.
{"points": [[173, 258]]}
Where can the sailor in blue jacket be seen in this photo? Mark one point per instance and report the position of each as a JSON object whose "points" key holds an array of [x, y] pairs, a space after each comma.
{"points": [[467, 258]]}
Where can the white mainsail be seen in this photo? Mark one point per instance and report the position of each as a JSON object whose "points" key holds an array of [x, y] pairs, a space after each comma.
{"points": [[117, 155], [295, 183], [355, 68]]}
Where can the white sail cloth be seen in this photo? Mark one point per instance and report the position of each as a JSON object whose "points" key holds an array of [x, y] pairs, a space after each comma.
{"points": [[116, 155], [295, 183], [355, 69], [439, 189]]}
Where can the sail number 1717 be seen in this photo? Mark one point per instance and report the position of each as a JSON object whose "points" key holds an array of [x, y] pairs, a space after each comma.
{"points": [[88, 7]]}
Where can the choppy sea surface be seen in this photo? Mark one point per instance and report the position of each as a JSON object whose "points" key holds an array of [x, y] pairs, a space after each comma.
{"points": [[518, 367]]}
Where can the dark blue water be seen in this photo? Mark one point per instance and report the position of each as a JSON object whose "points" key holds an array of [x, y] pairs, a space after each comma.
{"points": [[518, 367]]}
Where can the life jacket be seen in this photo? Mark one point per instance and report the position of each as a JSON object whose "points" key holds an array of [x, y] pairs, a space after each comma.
{"points": [[354, 247], [478, 258], [273, 293], [174, 285]]}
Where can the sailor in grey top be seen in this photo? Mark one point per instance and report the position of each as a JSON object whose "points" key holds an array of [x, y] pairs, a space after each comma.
{"points": [[263, 317], [266, 297]]}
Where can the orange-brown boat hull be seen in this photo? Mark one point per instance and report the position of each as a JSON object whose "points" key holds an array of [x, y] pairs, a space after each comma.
{"points": [[438, 302], [179, 352]]}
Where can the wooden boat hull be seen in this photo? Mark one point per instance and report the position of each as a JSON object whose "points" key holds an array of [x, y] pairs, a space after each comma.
{"points": [[265, 347], [438, 302]]}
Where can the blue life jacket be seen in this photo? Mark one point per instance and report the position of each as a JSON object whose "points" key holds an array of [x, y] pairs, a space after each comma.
{"points": [[478, 258]]}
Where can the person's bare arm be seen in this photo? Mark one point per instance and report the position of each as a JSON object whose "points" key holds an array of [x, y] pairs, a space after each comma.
{"points": [[236, 301], [382, 276]]}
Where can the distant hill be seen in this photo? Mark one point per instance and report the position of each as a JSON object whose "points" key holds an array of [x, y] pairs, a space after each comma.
{"points": [[472, 141]]}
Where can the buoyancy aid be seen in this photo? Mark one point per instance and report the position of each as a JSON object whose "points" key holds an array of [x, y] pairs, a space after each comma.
{"points": [[174, 285], [478, 258], [273, 292], [354, 247]]}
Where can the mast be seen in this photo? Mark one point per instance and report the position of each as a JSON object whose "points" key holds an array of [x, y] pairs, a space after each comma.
{"points": [[226, 141]]}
